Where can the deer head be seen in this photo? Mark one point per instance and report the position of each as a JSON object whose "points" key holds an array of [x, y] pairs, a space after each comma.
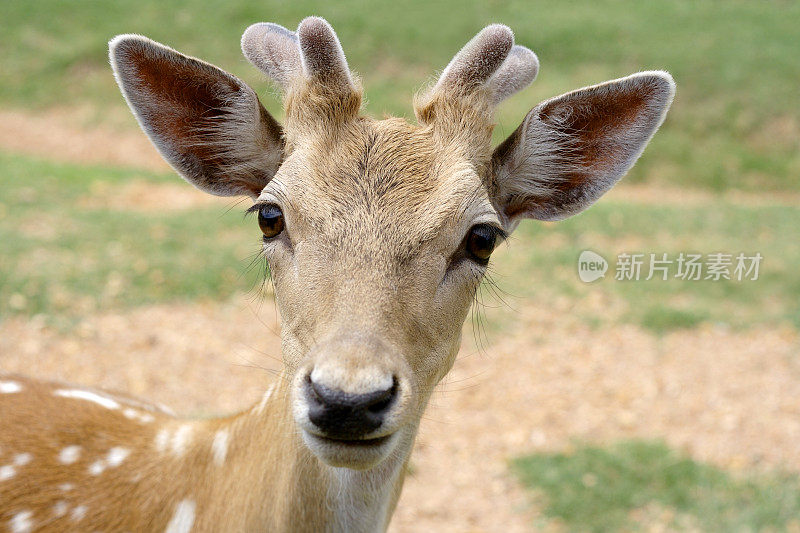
{"points": [[377, 232]]}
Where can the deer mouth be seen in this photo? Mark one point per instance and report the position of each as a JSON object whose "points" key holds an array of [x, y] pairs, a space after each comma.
{"points": [[358, 454], [366, 443]]}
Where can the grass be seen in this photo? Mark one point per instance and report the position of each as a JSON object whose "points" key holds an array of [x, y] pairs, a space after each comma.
{"points": [[734, 123], [540, 264], [663, 319], [62, 256], [632, 484], [62, 259]]}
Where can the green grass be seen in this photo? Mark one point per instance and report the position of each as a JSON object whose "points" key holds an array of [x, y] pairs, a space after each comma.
{"points": [[606, 489], [734, 123], [64, 256], [62, 259], [540, 264], [663, 319]]}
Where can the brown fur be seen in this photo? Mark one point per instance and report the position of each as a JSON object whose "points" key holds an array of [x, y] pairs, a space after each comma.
{"points": [[151, 482]]}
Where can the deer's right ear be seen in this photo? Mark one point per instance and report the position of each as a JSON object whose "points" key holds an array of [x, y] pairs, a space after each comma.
{"points": [[206, 123]]}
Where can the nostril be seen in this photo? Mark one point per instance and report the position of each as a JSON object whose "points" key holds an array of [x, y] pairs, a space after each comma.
{"points": [[379, 406], [336, 398], [386, 398], [313, 390], [348, 415]]}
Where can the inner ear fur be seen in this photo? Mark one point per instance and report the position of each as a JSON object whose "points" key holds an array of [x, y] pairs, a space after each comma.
{"points": [[571, 149], [207, 124]]}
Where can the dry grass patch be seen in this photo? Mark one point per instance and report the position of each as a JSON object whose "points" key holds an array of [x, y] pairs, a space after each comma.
{"points": [[658, 194], [64, 135], [147, 196]]}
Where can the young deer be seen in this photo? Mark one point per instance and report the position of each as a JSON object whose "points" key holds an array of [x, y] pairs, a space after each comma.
{"points": [[377, 234]]}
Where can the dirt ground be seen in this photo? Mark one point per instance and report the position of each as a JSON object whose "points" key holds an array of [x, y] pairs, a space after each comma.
{"points": [[720, 395]]}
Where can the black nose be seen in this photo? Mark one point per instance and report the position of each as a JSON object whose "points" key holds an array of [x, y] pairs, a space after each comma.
{"points": [[341, 415]]}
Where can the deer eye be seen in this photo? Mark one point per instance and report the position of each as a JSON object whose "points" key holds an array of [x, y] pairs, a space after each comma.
{"points": [[481, 241], [270, 220]]}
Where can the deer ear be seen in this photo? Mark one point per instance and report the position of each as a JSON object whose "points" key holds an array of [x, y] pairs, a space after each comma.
{"points": [[206, 123], [573, 148]]}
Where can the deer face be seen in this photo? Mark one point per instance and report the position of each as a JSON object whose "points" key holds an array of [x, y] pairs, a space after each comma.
{"points": [[384, 241], [377, 233]]}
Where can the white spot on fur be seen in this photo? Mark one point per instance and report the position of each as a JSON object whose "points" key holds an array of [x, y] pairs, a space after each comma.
{"points": [[181, 439], [220, 446], [97, 467], [9, 387], [162, 439], [133, 414], [21, 459], [164, 409], [183, 519], [69, 455], [116, 455], [263, 403], [114, 458], [60, 508], [78, 513], [66, 487], [21, 522], [7, 472], [89, 396]]}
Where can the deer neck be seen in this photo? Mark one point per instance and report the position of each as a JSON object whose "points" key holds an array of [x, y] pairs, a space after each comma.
{"points": [[287, 488]]}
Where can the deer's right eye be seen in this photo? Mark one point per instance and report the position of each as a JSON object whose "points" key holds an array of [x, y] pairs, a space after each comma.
{"points": [[270, 220]]}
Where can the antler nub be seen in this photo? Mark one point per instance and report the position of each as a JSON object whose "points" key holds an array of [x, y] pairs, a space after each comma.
{"points": [[517, 72], [489, 60], [322, 54], [313, 51], [274, 50], [488, 69], [477, 61]]}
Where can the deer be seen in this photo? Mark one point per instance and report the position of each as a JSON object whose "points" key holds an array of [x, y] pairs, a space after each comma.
{"points": [[377, 234]]}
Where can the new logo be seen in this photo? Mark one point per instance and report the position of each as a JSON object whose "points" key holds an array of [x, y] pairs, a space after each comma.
{"points": [[591, 266]]}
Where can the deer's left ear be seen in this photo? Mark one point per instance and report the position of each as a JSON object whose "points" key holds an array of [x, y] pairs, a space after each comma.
{"points": [[207, 124], [571, 149]]}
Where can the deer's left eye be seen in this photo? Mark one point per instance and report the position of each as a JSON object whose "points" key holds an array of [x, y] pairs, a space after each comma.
{"points": [[270, 220], [481, 241]]}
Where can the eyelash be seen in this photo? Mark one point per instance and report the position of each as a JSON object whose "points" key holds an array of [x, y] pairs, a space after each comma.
{"points": [[254, 208], [462, 254]]}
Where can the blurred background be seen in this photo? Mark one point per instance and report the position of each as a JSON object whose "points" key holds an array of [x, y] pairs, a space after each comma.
{"points": [[612, 405]]}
